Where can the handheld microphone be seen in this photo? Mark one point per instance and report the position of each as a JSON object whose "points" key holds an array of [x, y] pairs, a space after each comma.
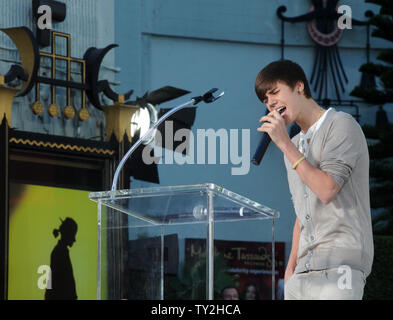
{"points": [[263, 144]]}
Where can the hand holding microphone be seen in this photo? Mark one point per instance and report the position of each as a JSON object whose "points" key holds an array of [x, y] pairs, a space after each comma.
{"points": [[269, 122]]}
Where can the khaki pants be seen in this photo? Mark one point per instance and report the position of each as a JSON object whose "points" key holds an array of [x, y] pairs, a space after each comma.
{"points": [[329, 284]]}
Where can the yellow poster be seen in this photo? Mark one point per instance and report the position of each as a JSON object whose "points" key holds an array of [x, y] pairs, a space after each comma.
{"points": [[52, 244]]}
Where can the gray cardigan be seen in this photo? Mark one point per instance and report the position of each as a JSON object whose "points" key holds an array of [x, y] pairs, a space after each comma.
{"points": [[340, 232]]}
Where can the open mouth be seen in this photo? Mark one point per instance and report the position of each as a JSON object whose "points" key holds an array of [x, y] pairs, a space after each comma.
{"points": [[282, 109]]}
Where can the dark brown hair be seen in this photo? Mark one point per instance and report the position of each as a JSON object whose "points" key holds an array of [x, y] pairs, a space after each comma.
{"points": [[286, 71]]}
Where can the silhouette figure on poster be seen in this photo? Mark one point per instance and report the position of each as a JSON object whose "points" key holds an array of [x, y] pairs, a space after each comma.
{"points": [[62, 282]]}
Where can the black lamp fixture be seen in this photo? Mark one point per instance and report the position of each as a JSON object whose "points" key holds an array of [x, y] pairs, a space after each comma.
{"points": [[143, 119]]}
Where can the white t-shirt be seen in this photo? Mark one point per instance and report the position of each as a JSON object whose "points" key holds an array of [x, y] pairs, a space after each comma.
{"points": [[305, 138]]}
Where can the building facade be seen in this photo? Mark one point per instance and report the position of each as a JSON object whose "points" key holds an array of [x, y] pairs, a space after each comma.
{"points": [[192, 45]]}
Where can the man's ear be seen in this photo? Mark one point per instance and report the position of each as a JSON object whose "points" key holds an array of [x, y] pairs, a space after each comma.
{"points": [[300, 87]]}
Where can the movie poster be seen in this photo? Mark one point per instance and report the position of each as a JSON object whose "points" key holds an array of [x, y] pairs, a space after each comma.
{"points": [[52, 244], [249, 262]]}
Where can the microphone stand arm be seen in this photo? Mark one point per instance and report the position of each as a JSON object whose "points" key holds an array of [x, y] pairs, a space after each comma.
{"points": [[207, 98]]}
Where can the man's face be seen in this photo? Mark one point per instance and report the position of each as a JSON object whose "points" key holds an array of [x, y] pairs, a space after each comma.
{"points": [[230, 294], [282, 96]]}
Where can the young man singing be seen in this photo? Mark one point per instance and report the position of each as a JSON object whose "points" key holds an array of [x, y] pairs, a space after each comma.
{"points": [[328, 174]]}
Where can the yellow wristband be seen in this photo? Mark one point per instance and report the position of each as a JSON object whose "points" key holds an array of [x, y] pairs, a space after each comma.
{"points": [[297, 162]]}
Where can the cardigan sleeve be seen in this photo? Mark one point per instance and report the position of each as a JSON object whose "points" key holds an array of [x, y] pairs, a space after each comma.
{"points": [[343, 146]]}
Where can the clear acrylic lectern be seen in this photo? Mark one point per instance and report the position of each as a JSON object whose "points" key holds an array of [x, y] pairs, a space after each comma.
{"points": [[142, 232]]}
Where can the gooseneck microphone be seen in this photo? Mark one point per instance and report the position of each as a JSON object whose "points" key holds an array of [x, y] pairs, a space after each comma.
{"points": [[208, 97], [263, 144]]}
